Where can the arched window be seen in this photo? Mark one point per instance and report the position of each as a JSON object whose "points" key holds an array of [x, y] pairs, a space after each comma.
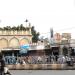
{"points": [[14, 43], [3, 43], [24, 41]]}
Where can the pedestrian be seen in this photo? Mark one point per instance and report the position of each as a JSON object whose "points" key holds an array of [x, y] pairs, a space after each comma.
{"points": [[68, 60], [39, 59], [2, 65], [3, 68], [6, 71]]}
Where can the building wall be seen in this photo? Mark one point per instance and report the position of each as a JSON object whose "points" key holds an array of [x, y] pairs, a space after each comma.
{"points": [[13, 39], [72, 43], [14, 42], [57, 38], [3, 43]]}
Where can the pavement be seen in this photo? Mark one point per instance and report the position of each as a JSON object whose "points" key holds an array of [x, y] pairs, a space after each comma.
{"points": [[41, 67]]}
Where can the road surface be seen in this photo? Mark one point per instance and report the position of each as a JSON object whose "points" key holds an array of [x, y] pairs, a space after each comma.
{"points": [[42, 72]]}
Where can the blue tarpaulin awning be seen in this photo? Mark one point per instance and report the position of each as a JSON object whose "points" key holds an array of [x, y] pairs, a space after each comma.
{"points": [[24, 49], [24, 46]]}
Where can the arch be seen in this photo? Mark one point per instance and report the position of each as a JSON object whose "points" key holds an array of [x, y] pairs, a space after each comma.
{"points": [[24, 41], [3, 43], [14, 43]]}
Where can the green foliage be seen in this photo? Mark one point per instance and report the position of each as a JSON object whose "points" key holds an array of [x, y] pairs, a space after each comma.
{"points": [[35, 35], [19, 27], [65, 50], [6, 28]]}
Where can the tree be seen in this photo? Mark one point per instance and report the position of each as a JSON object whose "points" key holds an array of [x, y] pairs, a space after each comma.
{"points": [[7, 28], [65, 50], [35, 35], [13, 28], [21, 27], [18, 28]]}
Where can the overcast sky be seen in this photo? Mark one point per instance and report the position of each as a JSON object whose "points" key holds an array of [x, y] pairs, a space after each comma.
{"points": [[43, 14]]}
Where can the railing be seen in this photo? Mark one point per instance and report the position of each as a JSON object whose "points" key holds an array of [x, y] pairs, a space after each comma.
{"points": [[38, 59]]}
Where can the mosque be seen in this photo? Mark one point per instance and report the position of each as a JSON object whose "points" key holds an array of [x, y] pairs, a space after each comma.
{"points": [[11, 40]]}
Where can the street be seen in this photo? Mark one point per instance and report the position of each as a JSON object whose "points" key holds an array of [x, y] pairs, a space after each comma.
{"points": [[42, 72]]}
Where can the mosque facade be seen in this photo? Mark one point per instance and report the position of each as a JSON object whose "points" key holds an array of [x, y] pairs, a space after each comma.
{"points": [[13, 39]]}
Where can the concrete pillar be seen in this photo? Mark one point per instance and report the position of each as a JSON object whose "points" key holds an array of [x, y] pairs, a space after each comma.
{"points": [[60, 50]]}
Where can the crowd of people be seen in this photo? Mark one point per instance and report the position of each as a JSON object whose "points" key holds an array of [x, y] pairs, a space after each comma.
{"points": [[46, 59]]}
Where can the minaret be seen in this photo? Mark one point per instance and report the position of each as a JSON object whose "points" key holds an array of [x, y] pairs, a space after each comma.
{"points": [[51, 32], [51, 36], [26, 22], [30, 28], [26, 25]]}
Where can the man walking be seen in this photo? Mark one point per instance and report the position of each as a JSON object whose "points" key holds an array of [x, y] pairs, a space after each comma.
{"points": [[2, 65]]}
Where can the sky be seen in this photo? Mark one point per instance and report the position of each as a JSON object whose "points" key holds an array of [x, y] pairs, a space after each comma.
{"points": [[43, 14]]}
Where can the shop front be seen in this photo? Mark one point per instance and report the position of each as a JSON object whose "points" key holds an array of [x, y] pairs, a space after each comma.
{"points": [[55, 50], [10, 55]]}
